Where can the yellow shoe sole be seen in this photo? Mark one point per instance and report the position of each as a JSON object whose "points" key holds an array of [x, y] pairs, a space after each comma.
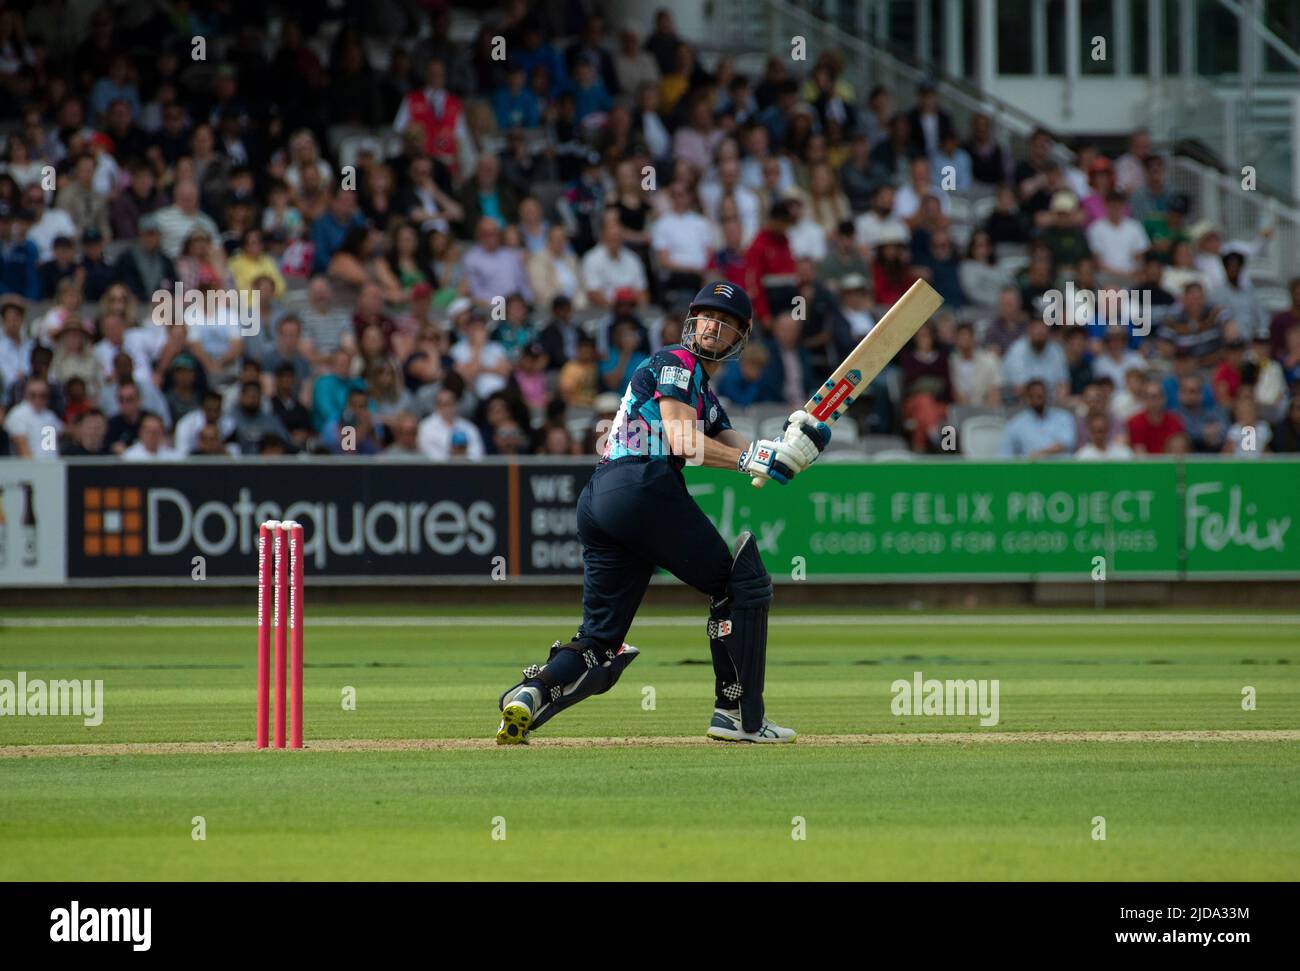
{"points": [[515, 721]]}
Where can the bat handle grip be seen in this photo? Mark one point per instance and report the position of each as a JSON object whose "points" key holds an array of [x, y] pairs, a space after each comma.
{"points": [[757, 481]]}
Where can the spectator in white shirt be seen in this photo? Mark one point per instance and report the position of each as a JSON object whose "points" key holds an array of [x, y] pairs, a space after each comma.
{"points": [[681, 240], [33, 428], [151, 446], [611, 266], [1118, 241], [976, 372], [726, 185], [436, 432], [48, 223], [879, 221], [1099, 444], [483, 363], [177, 221], [907, 201], [15, 351]]}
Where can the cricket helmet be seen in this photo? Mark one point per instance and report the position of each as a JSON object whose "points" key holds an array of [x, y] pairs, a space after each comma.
{"points": [[730, 299]]}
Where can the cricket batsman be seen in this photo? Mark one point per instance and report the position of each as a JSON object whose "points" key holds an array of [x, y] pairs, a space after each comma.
{"points": [[635, 515]]}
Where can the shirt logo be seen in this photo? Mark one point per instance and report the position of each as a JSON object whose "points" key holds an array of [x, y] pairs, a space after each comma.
{"points": [[713, 414], [678, 376]]}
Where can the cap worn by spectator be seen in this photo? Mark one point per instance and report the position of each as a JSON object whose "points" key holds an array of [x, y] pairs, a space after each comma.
{"points": [[1064, 202], [852, 281], [625, 295], [91, 236], [421, 291], [149, 223]]}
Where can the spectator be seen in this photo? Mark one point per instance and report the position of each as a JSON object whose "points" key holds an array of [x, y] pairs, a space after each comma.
{"points": [[1249, 435], [1116, 359], [406, 438], [354, 432], [485, 196], [980, 277], [681, 242], [1006, 223], [789, 367], [330, 230], [1099, 444], [151, 443], [207, 415], [253, 421], [141, 197], [15, 348], [143, 266], [1039, 429], [88, 434], [1153, 430], [553, 272], [1239, 301], [624, 358], [1118, 241], [1227, 376], [611, 267], [633, 66], [62, 267], [976, 371], [579, 376], [45, 224], [252, 261], [1131, 167], [891, 274], [746, 380], [1287, 438], [1204, 424], [990, 165], [843, 258], [439, 115], [941, 266], [927, 387], [19, 256], [493, 270], [559, 338], [179, 221], [1033, 357], [444, 433], [32, 426], [78, 198], [482, 362], [1284, 320]]}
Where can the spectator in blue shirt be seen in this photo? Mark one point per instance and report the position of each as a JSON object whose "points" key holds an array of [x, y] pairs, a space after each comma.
{"points": [[328, 232], [19, 258], [589, 94], [941, 259], [513, 104], [535, 53], [747, 380], [624, 357], [1038, 430]]}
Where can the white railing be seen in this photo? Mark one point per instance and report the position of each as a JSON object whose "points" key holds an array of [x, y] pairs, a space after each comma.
{"points": [[1242, 214]]}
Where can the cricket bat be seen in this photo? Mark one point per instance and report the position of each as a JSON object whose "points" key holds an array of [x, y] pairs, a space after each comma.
{"points": [[869, 358]]}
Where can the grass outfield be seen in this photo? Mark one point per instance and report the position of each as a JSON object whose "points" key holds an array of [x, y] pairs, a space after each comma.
{"points": [[1174, 809]]}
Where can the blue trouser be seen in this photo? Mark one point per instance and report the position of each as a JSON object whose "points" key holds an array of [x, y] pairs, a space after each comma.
{"points": [[633, 516]]}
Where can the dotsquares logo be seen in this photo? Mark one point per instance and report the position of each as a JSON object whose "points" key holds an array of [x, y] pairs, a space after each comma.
{"points": [[113, 521], [133, 925]]}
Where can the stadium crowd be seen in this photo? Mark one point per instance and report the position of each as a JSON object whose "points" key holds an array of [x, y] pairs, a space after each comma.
{"points": [[455, 249]]}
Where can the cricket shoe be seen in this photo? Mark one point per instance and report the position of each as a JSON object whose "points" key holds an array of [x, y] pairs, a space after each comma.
{"points": [[517, 716], [725, 727]]}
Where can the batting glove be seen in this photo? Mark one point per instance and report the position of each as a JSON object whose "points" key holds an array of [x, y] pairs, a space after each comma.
{"points": [[773, 460], [806, 435]]}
